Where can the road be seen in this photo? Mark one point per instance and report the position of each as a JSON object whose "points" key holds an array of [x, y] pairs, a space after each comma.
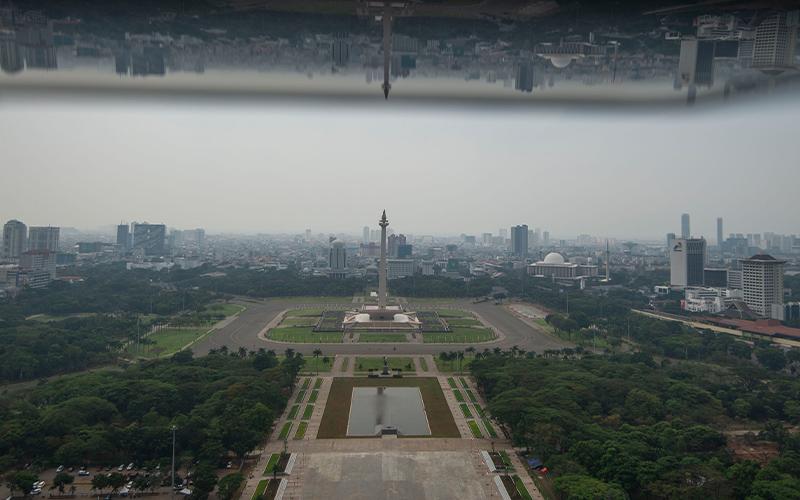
{"points": [[243, 332]]}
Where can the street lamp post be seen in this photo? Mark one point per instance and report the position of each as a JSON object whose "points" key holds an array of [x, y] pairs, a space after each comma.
{"points": [[172, 489]]}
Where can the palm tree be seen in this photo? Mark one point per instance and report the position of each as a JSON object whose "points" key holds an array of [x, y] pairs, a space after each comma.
{"points": [[460, 357], [470, 350], [317, 354]]}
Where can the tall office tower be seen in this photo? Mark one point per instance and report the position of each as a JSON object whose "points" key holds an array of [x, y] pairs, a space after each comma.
{"points": [[775, 41], [123, 238], [687, 261], [337, 260], [519, 240], [523, 80], [43, 238], [719, 233], [686, 231], [392, 245], [150, 238], [15, 239], [365, 235], [546, 238], [670, 240], [696, 62], [762, 285]]}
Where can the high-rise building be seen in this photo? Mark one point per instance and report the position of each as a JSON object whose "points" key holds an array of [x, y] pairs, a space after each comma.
{"points": [[404, 251], [686, 230], [519, 240], [687, 261], [523, 80], [337, 260], [365, 235], [394, 242], [546, 238], [696, 63], [150, 238], [15, 239], [123, 237], [39, 260], [43, 238], [671, 237], [776, 41], [762, 285], [719, 233]]}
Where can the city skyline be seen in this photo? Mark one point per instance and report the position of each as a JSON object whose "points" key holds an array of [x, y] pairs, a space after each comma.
{"points": [[241, 192]]}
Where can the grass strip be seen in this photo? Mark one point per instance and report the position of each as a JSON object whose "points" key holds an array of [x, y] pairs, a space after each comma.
{"points": [[287, 427], [301, 430], [476, 431]]}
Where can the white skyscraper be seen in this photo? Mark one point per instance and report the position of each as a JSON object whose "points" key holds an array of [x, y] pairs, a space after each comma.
{"points": [[762, 285], [775, 41], [687, 261], [15, 239]]}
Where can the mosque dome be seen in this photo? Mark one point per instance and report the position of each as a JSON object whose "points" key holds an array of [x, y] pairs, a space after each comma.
{"points": [[554, 258], [561, 61]]}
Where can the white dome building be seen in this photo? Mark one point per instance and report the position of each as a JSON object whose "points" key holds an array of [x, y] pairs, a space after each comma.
{"points": [[556, 266]]}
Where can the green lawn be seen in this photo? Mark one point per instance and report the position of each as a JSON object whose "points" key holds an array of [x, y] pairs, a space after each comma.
{"points": [[460, 335], [299, 321], [473, 426], [262, 485], [325, 299], [480, 411], [305, 313], [47, 318], [306, 383], [300, 396], [287, 427], [273, 461], [464, 383], [309, 409], [523, 491], [313, 397], [423, 364], [323, 364], [461, 322], [366, 364], [452, 366], [301, 430], [489, 428], [451, 381], [506, 459], [303, 335], [458, 395], [382, 338], [317, 383], [465, 410], [226, 309], [471, 396], [167, 342], [293, 412]]}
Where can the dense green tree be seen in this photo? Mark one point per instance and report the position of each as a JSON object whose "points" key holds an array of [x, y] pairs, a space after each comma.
{"points": [[203, 480], [229, 485], [61, 480], [579, 487], [21, 481]]}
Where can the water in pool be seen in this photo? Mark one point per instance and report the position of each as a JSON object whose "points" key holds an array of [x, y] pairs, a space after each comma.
{"points": [[372, 408]]}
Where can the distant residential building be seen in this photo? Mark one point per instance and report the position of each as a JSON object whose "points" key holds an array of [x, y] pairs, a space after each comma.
{"points": [[15, 239], [337, 260], [776, 41], [39, 260], [399, 268], [43, 238], [150, 238], [123, 238], [427, 268], [687, 262], [703, 299], [720, 241], [519, 241], [762, 284]]}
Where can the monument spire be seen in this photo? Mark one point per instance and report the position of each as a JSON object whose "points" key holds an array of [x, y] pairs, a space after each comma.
{"points": [[382, 271]]}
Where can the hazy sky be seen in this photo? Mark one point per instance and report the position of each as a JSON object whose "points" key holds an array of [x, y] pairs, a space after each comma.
{"points": [[262, 168]]}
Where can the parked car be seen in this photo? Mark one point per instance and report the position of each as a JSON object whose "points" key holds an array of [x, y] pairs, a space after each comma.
{"points": [[121, 468], [60, 468]]}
